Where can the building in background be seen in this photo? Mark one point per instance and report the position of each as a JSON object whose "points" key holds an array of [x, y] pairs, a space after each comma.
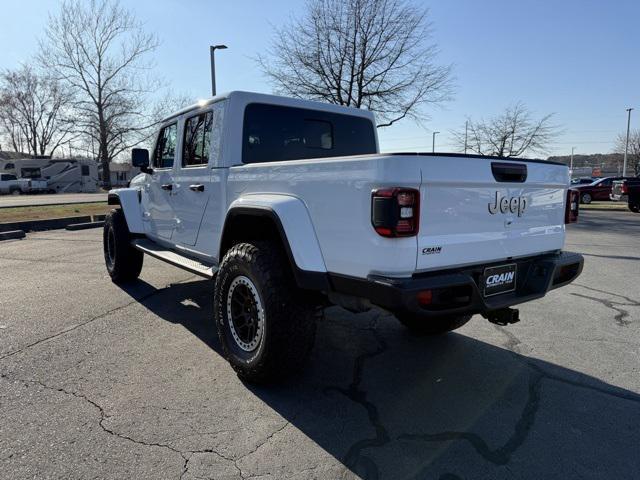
{"points": [[122, 173]]}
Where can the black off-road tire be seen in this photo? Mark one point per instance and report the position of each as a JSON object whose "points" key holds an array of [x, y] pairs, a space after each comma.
{"points": [[422, 325], [634, 207], [124, 262], [289, 319]]}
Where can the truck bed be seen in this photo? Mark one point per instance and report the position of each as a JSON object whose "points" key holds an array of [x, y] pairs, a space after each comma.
{"points": [[456, 225]]}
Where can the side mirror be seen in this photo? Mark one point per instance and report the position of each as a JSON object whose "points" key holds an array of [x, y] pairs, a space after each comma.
{"points": [[140, 159]]}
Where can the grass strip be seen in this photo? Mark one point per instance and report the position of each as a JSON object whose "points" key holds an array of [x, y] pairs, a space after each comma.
{"points": [[45, 212]]}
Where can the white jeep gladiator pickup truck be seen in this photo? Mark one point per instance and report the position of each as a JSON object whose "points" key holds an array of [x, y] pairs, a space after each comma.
{"points": [[288, 206]]}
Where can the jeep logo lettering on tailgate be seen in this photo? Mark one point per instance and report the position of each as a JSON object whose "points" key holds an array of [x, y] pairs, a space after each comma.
{"points": [[504, 204], [500, 279]]}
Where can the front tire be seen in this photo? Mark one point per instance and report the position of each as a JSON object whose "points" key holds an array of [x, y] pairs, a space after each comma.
{"points": [[586, 198], [421, 325], [123, 262], [265, 326], [634, 207]]}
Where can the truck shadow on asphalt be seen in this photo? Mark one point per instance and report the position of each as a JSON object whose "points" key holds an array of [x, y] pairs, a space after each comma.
{"points": [[388, 405]]}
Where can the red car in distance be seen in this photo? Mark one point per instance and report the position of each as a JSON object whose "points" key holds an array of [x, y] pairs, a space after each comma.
{"points": [[599, 189]]}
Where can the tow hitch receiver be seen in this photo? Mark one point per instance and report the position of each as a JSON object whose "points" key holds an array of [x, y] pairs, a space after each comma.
{"points": [[503, 316]]}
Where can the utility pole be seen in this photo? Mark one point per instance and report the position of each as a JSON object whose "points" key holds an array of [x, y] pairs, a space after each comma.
{"points": [[626, 144], [212, 50], [466, 132], [571, 165], [433, 142]]}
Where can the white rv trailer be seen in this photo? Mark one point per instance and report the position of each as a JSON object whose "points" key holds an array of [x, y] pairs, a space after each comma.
{"points": [[65, 175]]}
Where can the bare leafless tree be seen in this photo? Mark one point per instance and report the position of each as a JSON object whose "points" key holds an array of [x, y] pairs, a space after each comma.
{"points": [[633, 153], [10, 130], [34, 111], [373, 54], [511, 134], [166, 103], [99, 49]]}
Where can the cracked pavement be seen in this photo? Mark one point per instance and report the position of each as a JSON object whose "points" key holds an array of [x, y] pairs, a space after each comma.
{"points": [[102, 382]]}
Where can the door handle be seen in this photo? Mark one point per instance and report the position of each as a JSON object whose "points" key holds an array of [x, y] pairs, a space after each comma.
{"points": [[167, 186], [197, 188]]}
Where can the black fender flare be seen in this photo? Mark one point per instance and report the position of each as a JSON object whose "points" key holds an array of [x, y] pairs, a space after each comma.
{"points": [[305, 279]]}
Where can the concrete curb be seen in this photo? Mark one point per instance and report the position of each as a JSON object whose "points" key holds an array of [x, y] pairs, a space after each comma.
{"points": [[12, 235], [50, 223], [85, 226], [42, 225]]}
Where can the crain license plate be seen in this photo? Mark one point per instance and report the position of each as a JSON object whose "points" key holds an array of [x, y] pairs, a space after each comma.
{"points": [[501, 279]]}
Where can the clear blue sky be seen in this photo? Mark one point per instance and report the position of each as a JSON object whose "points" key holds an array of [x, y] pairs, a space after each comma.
{"points": [[578, 59]]}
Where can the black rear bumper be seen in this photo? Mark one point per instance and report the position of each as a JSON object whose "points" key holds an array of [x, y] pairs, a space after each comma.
{"points": [[458, 291]]}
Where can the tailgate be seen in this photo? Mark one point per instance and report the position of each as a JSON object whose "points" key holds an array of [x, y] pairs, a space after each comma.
{"points": [[617, 188], [475, 210]]}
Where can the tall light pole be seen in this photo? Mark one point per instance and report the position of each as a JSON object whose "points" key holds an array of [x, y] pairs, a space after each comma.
{"points": [[626, 144], [466, 132], [571, 165], [433, 142], [212, 49]]}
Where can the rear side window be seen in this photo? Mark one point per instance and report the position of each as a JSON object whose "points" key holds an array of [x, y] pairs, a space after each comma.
{"points": [[166, 147], [10, 177], [273, 133], [197, 140]]}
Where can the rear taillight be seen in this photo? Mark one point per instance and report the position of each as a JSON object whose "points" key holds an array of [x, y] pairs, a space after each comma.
{"points": [[395, 211], [623, 188], [572, 207]]}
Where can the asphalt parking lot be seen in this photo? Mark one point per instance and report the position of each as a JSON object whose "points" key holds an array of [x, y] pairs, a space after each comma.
{"points": [[102, 382]]}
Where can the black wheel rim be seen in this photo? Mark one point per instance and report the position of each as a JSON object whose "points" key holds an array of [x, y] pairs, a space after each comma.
{"points": [[245, 314]]}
